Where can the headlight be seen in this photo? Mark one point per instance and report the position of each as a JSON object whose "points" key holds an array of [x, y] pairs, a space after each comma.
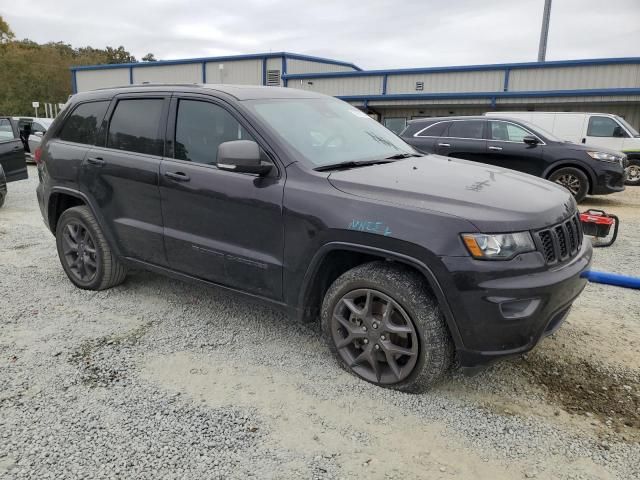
{"points": [[499, 246], [605, 157]]}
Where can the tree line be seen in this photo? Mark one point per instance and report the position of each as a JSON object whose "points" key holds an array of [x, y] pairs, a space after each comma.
{"points": [[40, 72]]}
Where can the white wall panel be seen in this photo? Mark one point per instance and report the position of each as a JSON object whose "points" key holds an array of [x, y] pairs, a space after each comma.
{"points": [[108, 77], [308, 66], [186, 73], [364, 85], [573, 78], [489, 81], [239, 72]]}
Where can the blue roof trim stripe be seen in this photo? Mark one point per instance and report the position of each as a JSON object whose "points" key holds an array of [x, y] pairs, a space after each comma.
{"points": [[473, 68], [227, 58], [490, 95]]}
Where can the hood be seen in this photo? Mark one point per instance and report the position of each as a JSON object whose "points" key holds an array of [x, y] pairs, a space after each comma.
{"points": [[493, 199]]}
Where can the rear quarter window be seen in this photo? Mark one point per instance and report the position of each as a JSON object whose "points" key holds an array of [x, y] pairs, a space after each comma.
{"points": [[83, 124]]}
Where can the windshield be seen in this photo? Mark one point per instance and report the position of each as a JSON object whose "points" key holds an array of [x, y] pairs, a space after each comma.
{"points": [[328, 131], [545, 133], [632, 130]]}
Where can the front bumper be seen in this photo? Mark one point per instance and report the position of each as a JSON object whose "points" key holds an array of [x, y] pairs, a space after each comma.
{"points": [[609, 179], [503, 309]]}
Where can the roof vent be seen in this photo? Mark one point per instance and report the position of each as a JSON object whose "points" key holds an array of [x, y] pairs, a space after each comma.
{"points": [[419, 85], [273, 78]]}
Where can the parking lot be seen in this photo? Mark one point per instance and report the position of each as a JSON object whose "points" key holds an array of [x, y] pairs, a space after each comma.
{"points": [[161, 379]]}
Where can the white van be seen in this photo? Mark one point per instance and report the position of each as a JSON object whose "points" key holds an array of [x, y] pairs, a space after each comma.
{"points": [[597, 129]]}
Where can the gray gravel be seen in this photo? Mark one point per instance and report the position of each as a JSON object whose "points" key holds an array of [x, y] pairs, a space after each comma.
{"points": [[88, 390]]}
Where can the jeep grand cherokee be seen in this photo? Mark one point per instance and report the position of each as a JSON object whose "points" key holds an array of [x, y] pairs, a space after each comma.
{"points": [[304, 201]]}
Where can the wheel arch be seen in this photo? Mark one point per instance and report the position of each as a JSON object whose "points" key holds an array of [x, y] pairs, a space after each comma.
{"points": [[322, 272], [62, 198], [591, 176]]}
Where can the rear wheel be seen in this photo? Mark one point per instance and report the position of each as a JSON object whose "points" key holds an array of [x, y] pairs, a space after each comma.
{"points": [[3, 186], [383, 326], [84, 253], [572, 179], [633, 172]]}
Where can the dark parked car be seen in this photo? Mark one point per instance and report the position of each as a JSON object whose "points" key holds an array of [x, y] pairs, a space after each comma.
{"points": [[12, 160], [517, 145], [304, 201]]}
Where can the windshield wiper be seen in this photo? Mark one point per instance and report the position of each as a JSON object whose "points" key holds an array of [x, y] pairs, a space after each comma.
{"points": [[399, 156], [351, 164]]}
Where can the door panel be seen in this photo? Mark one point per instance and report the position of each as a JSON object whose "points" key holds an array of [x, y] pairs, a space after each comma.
{"points": [[124, 185], [12, 156], [224, 227], [221, 226], [463, 139], [506, 148], [122, 176]]}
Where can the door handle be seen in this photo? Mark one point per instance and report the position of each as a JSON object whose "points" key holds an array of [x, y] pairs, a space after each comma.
{"points": [[97, 161], [178, 176], [495, 148], [584, 140], [17, 147], [444, 144]]}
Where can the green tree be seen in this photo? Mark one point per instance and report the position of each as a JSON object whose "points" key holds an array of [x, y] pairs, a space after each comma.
{"points": [[149, 58], [5, 32]]}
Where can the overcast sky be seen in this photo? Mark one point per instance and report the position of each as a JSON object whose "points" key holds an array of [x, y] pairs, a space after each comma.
{"points": [[371, 34]]}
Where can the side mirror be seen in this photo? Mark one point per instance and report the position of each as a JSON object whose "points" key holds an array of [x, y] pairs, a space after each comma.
{"points": [[618, 132], [242, 156], [530, 140]]}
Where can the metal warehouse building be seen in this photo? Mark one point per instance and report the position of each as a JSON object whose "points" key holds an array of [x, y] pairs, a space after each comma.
{"points": [[609, 85]]}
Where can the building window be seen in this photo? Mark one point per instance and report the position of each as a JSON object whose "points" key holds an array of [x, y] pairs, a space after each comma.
{"points": [[419, 85]]}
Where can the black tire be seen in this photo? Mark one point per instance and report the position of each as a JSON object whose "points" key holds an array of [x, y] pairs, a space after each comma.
{"points": [[633, 172], [106, 270], [572, 179], [2, 197], [3, 186], [409, 290]]}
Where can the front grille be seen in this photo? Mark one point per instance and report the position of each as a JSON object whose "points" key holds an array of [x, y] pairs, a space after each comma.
{"points": [[561, 242]]}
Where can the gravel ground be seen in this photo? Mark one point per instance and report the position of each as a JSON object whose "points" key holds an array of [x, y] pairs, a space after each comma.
{"points": [[160, 379]]}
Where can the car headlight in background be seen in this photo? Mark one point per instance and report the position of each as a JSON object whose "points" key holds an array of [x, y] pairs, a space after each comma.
{"points": [[606, 157], [498, 246]]}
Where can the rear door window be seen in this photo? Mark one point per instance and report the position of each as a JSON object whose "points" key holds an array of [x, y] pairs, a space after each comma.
{"points": [[83, 124], [135, 126], [201, 127], [6, 131], [466, 129]]}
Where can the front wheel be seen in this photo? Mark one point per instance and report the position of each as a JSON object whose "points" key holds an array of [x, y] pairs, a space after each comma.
{"points": [[384, 327], [572, 179], [633, 172]]}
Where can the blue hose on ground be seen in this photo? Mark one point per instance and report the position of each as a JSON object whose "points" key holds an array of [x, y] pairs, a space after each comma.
{"points": [[612, 279]]}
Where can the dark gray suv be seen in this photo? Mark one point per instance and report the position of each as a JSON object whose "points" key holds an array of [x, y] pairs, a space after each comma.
{"points": [[303, 201]]}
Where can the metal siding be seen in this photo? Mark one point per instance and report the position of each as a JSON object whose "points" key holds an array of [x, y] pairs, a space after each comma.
{"points": [[276, 64], [489, 81], [340, 86], [92, 79], [572, 78], [306, 66], [187, 73], [239, 72]]}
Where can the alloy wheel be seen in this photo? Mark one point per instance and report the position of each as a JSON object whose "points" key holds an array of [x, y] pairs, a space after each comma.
{"points": [[374, 336], [79, 251], [633, 173], [570, 182]]}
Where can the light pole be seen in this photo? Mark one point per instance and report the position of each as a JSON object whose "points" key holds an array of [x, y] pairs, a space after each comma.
{"points": [[544, 32]]}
